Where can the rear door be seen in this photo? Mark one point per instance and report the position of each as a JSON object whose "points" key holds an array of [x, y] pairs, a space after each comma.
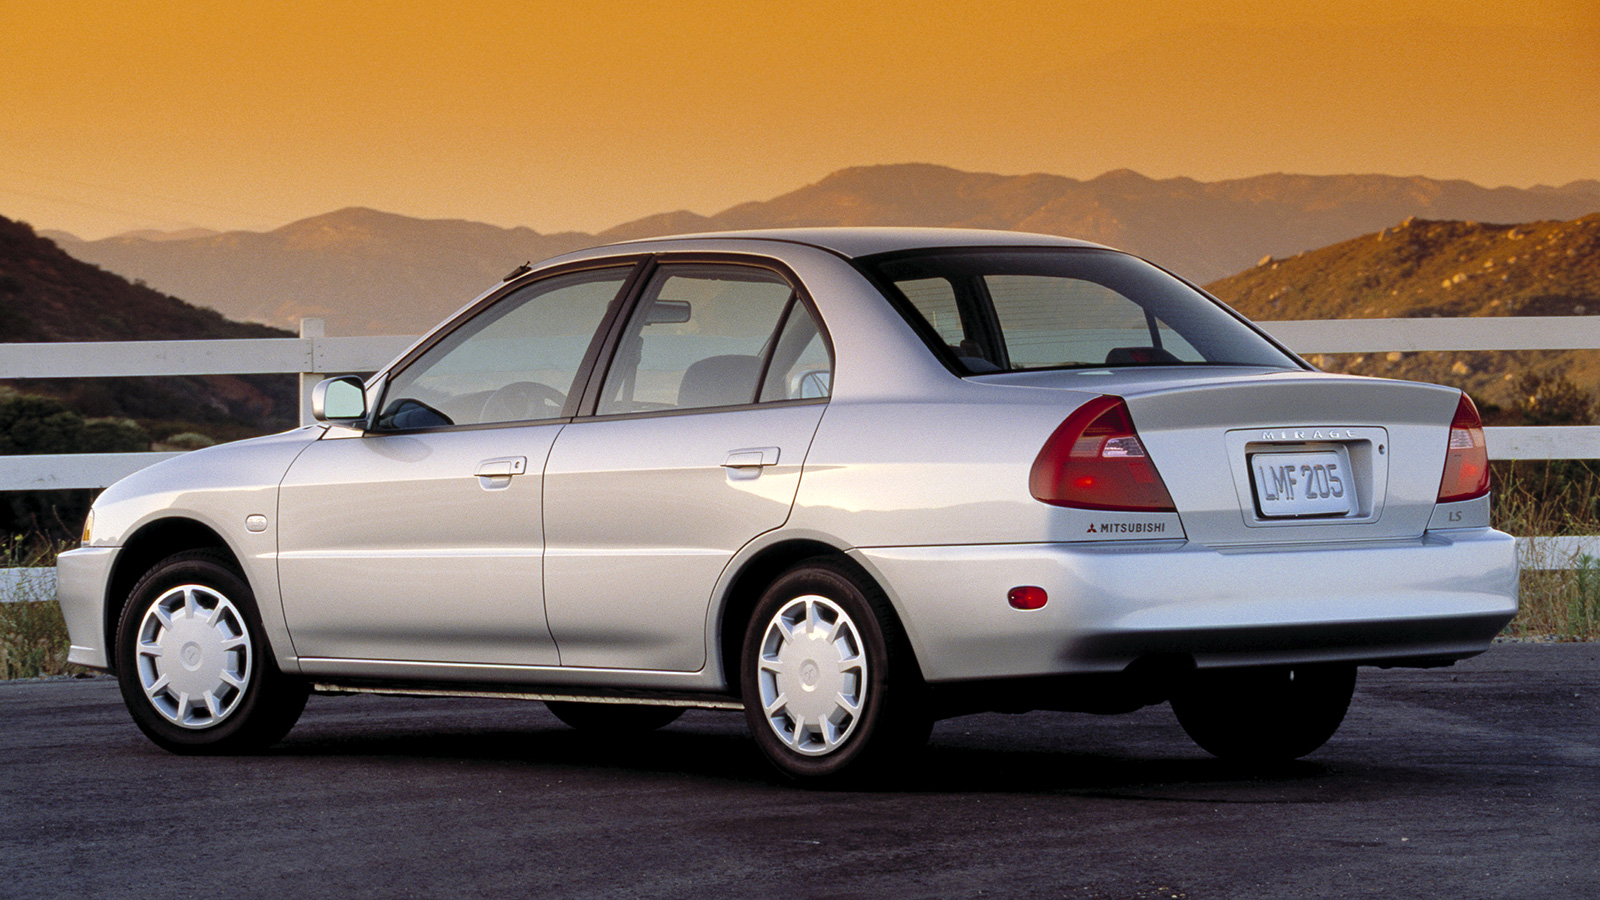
{"points": [[700, 426]]}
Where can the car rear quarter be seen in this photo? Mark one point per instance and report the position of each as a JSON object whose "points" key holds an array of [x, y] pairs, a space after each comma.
{"points": [[936, 503]]}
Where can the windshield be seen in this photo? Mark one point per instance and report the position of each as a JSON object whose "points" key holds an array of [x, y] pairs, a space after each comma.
{"points": [[1011, 310]]}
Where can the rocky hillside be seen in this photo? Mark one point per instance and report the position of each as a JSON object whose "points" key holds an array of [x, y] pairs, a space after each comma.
{"points": [[1423, 268], [372, 272], [47, 296]]}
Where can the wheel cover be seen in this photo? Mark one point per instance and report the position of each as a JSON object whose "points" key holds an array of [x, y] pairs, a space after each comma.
{"points": [[194, 656], [812, 675]]}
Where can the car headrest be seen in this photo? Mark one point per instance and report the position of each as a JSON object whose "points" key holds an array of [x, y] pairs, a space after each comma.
{"points": [[719, 381]]}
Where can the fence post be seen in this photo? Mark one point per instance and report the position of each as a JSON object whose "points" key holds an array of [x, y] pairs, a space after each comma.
{"points": [[310, 329]]}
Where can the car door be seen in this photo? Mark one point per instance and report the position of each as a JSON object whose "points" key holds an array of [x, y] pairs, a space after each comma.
{"points": [[716, 385], [422, 538]]}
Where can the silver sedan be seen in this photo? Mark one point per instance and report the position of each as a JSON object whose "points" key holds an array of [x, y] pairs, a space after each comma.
{"points": [[848, 481]]}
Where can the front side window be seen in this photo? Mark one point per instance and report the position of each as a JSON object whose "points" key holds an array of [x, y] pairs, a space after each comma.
{"points": [[515, 361], [1009, 310], [712, 335]]}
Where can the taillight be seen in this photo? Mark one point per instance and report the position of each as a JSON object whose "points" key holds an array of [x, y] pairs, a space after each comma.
{"points": [[1095, 460], [1466, 463]]}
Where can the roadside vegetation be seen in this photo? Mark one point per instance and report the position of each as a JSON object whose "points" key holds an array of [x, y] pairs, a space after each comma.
{"points": [[1555, 498], [33, 636], [1560, 591]]}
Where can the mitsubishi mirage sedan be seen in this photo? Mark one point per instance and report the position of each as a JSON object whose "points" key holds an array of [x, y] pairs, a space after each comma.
{"points": [[848, 481]]}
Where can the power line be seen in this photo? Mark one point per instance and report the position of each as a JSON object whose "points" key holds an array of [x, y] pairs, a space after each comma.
{"points": [[125, 191]]}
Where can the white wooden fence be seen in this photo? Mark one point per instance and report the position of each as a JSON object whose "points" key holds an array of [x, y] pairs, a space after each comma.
{"points": [[313, 356]]}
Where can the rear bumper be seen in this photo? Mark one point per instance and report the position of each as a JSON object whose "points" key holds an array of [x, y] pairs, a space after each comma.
{"points": [[1429, 601], [81, 579]]}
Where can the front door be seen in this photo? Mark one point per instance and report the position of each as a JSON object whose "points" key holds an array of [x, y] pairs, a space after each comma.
{"points": [[422, 539]]}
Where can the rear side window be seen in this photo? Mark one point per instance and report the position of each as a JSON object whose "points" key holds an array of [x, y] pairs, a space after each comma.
{"points": [[801, 368], [707, 335], [1011, 310]]}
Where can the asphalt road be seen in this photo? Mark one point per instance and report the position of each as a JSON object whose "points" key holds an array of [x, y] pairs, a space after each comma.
{"points": [[1478, 781]]}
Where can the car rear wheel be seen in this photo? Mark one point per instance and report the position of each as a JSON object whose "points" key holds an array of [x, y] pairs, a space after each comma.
{"points": [[831, 690], [613, 718], [1268, 714], [193, 665]]}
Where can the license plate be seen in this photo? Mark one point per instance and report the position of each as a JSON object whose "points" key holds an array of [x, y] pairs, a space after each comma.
{"points": [[1315, 483]]}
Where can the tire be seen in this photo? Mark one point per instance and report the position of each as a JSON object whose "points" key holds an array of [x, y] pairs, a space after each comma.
{"points": [[193, 663], [613, 719], [1269, 714], [831, 690]]}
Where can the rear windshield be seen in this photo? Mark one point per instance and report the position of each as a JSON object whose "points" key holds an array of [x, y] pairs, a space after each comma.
{"points": [[1010, 310]]}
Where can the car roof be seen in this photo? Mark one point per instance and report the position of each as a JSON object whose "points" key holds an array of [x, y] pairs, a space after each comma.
{"points": [[866, 241]]}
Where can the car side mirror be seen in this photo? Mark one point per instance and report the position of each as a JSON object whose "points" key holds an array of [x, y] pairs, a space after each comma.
{"points": [[339, 400]]}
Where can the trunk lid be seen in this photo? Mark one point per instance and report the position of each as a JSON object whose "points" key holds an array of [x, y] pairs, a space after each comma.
{"points": [[1258, 456]]}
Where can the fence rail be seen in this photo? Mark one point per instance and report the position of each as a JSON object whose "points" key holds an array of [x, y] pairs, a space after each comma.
{"points": [[313, 356], [1427, 335]]}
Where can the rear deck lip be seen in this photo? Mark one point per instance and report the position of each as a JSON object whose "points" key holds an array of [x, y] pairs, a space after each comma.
{"points": [[1420, 642]]}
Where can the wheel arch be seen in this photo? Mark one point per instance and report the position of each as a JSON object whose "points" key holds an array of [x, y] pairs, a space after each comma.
{"points": [[151, 543], [751, 579]]}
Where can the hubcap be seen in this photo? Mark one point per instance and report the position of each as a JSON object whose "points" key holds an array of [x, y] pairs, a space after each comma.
{"points": [[194, 656], [812, 675]]}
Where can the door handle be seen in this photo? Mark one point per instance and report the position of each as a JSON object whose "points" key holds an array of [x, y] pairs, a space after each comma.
{"points": [[751, 458], [505, 466], [495, 474]]}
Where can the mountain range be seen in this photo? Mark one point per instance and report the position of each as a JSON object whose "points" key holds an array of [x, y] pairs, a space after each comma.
{"points": [[371, 272]]}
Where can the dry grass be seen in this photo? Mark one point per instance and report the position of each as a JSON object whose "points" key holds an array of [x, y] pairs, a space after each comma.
{"points": [[1560, 595], [33, 635], [1559, 604], [33, 640]]}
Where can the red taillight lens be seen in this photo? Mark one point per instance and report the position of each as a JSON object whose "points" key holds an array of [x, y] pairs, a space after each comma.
{"points": [[1095, 460], [1027, 596], [1466, 463]]}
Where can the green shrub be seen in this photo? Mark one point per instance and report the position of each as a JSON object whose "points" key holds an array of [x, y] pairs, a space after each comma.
{"points": [[1552, 400], [186, 440], [1583, 602]]}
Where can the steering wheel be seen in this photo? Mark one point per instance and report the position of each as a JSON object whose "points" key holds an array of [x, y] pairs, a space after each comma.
{"points": [[523, 400]]}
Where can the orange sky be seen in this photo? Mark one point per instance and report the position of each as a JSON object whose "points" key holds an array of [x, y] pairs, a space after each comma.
{"points": [[119, 114]]}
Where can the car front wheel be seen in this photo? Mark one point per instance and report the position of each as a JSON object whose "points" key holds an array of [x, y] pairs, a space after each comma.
{"points": [[193, 665], [831, 690], [1267, 714]]}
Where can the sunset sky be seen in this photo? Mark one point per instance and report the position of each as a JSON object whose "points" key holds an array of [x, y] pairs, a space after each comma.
{"points": [[121, 114]]}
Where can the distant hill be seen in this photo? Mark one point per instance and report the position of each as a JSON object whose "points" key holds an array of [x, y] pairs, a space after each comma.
{"points": [[366, 272], [47, 295], [372, 272], [1424, 268], [144, 234]]}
